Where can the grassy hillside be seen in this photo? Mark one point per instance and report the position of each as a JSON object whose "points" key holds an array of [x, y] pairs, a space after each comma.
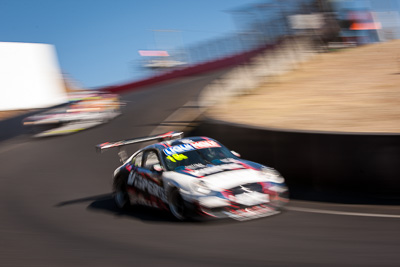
{"points": [[353, 90]]}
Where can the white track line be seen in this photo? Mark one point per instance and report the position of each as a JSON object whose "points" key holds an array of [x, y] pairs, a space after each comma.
{"points": [[9, 147], [342, 212]]}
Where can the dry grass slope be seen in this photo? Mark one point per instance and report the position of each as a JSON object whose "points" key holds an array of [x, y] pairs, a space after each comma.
{"points": [[354, 90]]}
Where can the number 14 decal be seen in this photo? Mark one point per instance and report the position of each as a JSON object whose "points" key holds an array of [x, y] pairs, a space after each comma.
{"points": [[177, 157]]}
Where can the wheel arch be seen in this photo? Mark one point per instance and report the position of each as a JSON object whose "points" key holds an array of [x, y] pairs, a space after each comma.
{"points": [[118, 176]]}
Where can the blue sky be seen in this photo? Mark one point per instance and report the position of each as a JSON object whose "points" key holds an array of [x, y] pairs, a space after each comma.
{"points": [[97, 40]]}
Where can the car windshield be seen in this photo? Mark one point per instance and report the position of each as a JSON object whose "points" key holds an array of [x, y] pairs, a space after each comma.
{"points": [[196, 158]]}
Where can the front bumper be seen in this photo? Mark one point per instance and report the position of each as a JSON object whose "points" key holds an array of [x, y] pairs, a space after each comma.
{"points": [[218, 208]]}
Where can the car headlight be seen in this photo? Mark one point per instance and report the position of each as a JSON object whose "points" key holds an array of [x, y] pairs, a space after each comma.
{"points": [[200, 187], [272, 175]]}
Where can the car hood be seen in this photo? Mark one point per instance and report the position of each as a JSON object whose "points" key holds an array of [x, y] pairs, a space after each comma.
{"points": [[228, 174], [232, 179]]}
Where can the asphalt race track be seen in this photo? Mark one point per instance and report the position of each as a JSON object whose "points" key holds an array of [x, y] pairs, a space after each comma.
{"points": [[56, 209]]}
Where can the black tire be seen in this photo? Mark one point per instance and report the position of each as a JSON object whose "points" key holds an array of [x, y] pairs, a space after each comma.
{"points": [[121, 197], [177, 205]]}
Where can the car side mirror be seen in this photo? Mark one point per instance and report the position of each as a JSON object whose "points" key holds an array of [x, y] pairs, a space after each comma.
{"points": [[157, 168], [235, 153]]}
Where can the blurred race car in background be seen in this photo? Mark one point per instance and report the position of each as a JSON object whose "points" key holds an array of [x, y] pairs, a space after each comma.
{"points": [[195, 177], [84, 110]]}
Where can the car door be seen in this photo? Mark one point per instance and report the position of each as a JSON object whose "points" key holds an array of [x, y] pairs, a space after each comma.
{"points": [[146, 182]]}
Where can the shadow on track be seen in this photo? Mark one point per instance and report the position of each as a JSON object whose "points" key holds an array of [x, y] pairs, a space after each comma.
{"points": [[105, 203]]}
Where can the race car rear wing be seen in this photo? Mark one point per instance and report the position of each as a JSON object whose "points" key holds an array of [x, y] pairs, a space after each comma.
{"points": [[119, 144]]}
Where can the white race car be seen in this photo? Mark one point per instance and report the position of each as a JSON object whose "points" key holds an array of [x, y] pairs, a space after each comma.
{"points": [[196, 177], [85, 110]]}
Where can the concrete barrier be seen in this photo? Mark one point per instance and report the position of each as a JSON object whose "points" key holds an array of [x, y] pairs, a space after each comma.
{"points": [[318, 162]]}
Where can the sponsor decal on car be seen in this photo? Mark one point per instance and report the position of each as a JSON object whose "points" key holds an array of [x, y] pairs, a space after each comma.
{"points": [[147, 186], [250, 213], [128, 167], [205, 144], [139, 198], [177, 157], [215, 169], [178, 149], [195, 166], [189, 147]]}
